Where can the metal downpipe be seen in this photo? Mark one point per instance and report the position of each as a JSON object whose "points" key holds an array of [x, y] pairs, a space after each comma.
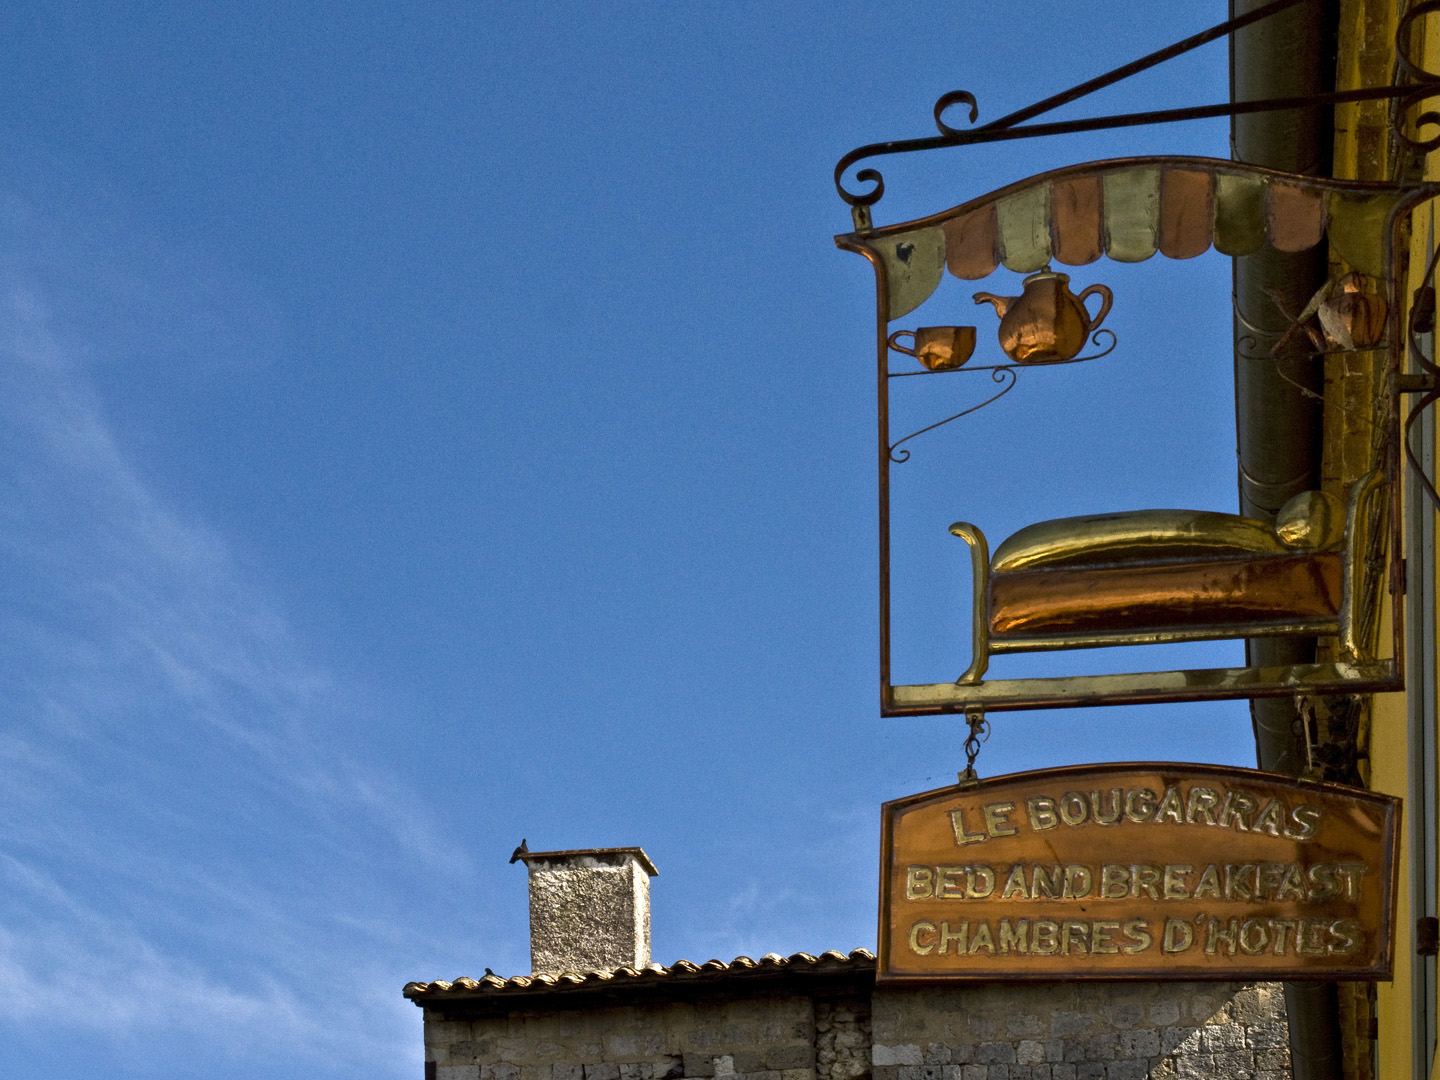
{"points": [[1278, 401]]}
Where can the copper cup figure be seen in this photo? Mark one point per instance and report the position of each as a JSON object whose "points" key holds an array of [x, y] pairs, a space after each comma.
{"points": [[1047, 322], [939, 348]]}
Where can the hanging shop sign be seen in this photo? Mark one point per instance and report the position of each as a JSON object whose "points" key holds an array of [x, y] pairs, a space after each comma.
{"points": [[1127, 576], [1143, 871]]}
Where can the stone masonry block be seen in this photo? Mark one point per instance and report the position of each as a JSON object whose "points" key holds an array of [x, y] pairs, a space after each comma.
{"points": [[1090, 1070], [1128, 1070], [699, 1065], [1025, 1023], [701, 1037], [1164, 1012], [567, 1072], [446, 1032], [622, 1047], [1125, 1014], [1218, 1038], [995, 1053], [1235, 1064], [747, 1061], [1069, 1023], [1272, 1060], [886, 1072], [1030, 1052], [1062, 1072], [464, 1053], [974, 1072], [504, 1070], [1272, 1001], [1246, 1003], [603, 1070], [458, 1072], [937, 1054], [789, 1057], [1180, 1039], [909, 1054], [1143, 1042], [724, 1065], [1268, 1034]]}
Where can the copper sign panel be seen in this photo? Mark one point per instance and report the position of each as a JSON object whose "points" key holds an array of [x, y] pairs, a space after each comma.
{"points": [[1143, 871]]}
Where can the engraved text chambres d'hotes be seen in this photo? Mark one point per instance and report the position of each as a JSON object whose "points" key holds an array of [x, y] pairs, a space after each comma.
{"points": [[1139, 871]]}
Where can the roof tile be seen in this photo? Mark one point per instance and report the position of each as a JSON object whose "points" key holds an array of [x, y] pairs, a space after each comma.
{"points": [[491, 985]]}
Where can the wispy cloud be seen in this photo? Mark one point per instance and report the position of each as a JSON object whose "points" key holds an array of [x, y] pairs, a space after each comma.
{"points": [[183, 845]]}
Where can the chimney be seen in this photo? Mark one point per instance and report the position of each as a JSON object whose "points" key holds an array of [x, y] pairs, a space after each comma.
{"points": [[589, 910]]}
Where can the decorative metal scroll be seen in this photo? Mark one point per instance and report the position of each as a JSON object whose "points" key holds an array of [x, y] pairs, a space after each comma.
{"points": [[1001, 373], [1413, 85], [1006, 374], [1426, 381]]}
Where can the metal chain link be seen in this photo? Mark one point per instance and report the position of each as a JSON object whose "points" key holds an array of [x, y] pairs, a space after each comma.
{"points": [[979, 732]]}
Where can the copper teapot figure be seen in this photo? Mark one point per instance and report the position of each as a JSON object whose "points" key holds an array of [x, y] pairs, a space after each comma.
{"points": [[1047, 322]]}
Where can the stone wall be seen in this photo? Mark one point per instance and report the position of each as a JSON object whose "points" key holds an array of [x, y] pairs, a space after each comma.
{"points": [[997, 1031], [1082, 1031], [771, 1037]]}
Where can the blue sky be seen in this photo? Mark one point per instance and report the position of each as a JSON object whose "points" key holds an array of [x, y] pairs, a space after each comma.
{"points": [[424, 426]]}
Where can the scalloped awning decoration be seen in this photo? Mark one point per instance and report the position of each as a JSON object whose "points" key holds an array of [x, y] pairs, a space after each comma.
{"points": [[1130, 209]]}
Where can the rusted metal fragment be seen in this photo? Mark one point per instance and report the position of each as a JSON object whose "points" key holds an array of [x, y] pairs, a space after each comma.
{"points": [[1132, 213], [1282, 589], [971, 244], [1187, 212], [1025, 228], [1297, 216], [1358, 227], [1076, 222], [914, 264], [1239, 213]]}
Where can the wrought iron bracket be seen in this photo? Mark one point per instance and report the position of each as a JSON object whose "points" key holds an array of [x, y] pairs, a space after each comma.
{"points": [[1412, 86], [1422, 383], [1425, 381]]}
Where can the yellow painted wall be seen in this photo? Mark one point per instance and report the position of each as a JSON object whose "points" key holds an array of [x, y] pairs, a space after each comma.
{"points": [[1361, 151]]}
